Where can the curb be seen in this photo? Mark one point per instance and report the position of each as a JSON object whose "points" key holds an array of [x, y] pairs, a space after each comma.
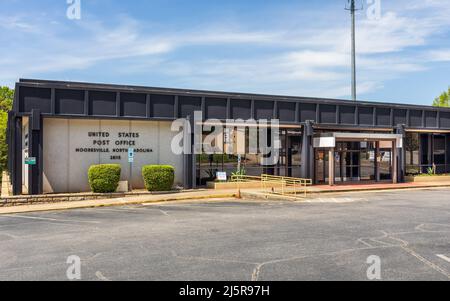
{"points": [[123, 202], [106, 203]]}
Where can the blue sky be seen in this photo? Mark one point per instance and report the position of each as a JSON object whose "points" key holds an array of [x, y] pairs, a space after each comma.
{"points": [[276, 47]]}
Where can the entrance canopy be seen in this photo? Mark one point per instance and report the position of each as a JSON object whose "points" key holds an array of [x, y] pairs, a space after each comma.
{"points": [[374, 159], [328, 140]]}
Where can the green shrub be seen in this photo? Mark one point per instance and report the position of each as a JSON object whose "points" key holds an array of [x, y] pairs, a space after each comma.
{"points": [[104, 178], [158, 177]]}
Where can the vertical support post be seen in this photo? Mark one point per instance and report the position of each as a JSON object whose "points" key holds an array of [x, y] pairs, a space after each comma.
{"points": [[15, 151], [394, 163], [197, 127], [331, 167], [189, 173], [377, 163], [307, 151], [286, 154], [35, 172], [400, 129], [130, 177], [446, 153], [430, 150], [193, 157], [421, 153]]}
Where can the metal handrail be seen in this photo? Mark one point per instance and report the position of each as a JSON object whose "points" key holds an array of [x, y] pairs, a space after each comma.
{"points": [[244, 178], [298, 184], [288, 185]]}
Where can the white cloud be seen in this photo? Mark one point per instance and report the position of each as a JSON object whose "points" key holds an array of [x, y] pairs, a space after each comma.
{"points": [[442, 55], [307, 59]]}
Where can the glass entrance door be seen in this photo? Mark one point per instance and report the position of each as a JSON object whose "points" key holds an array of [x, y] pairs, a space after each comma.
{"points": [[321, 166], [290, 154], [385, 161], [365, 161], [355, 161], [349, 162], [294, 156]]}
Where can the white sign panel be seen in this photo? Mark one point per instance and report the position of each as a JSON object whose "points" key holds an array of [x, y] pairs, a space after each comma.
{"points": [[222, 176], [324, 142]]}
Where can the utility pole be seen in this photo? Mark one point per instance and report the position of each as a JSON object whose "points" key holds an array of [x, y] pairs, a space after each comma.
{"points": [[352, 9], [352, 12]]}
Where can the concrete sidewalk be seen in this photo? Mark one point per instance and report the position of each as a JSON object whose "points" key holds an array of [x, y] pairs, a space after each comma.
{"points": [[343, 188], [212, 194], [374, 187]]}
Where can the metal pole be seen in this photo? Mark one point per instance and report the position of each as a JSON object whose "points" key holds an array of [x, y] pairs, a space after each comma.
{"points": [[130, 186], [352, 12]]}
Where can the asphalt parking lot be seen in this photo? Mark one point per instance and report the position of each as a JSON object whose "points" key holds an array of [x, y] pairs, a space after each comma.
{"points": [[328, 238]]}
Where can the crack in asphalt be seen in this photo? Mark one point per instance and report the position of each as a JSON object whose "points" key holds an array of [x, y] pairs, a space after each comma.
{"points": [[402, 244], [385, 241], [174, 254], [257, 270], [405, 245]]}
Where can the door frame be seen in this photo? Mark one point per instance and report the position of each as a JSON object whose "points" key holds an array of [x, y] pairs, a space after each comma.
{"points": [[331, 161]]}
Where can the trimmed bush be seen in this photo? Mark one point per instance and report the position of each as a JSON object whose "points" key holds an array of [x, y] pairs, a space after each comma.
{"points": [[104, 178], [158, 177]]}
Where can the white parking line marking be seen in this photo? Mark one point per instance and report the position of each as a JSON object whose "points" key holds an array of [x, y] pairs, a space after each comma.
{"points": [[443, 257], [164, 212], [51, 219], [341, 200], [123, 210]]}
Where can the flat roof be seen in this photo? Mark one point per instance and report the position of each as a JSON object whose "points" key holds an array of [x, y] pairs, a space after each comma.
{"points": [[149, 89]]}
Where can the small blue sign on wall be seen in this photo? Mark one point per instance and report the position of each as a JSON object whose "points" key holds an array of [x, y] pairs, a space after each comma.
{"points": [[130, 155]]}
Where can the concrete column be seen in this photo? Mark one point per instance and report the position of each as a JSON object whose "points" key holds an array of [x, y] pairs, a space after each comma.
{"points": [[35, 172], [400, 129], [307, 167], [377, 164], [331, 167], [394, 163], [15, 159], [430, 150], [187, 160]]}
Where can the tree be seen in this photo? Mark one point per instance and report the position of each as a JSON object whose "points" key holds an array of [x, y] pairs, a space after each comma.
{"points": [[6, 100], [442, 100], [3, 145]]}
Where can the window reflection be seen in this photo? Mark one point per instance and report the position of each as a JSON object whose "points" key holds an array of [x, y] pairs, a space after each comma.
{"points": [[288, 165]]}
